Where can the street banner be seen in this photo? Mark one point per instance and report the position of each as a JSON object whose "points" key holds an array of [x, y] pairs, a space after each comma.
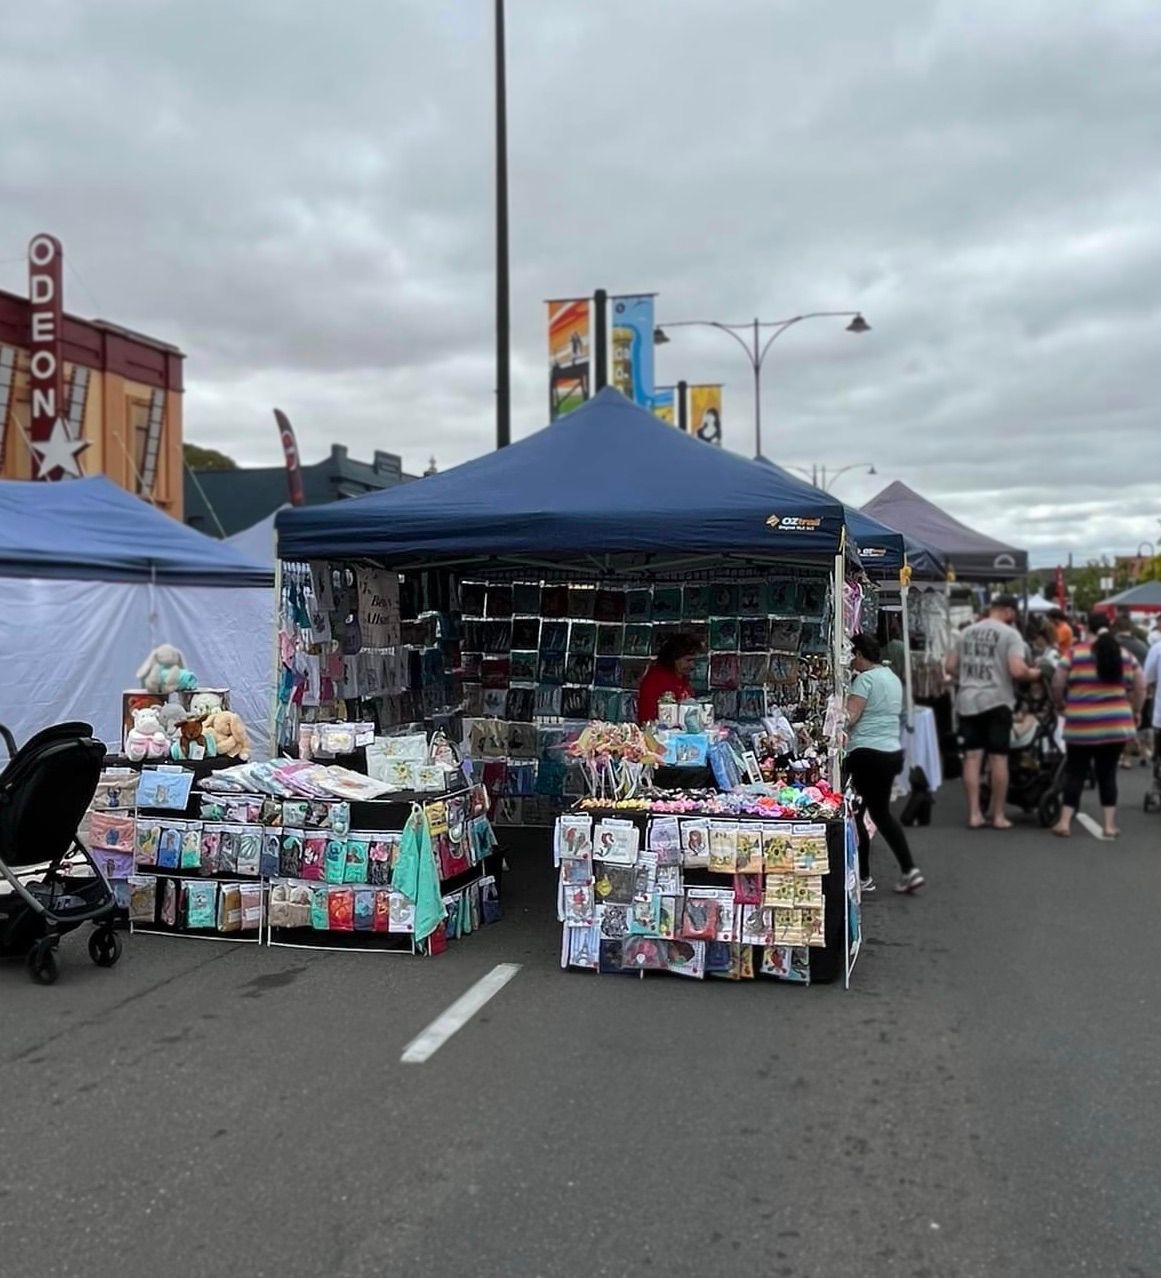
{"points": [[665, 404], [568, 355], [632, 372], [705, 413]]}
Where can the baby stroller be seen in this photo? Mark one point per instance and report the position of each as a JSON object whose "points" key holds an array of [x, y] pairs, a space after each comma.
{"points": [[1153, 795], [1035, 759], [44, 793]]}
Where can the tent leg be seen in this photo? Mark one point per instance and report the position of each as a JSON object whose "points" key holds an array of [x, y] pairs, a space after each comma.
{"points": [[277, 658], [908, 695], [838, 676]]}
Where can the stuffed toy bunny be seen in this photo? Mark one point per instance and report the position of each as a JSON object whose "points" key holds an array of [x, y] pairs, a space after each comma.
{"points": [[164, 671], [146, 739], [229, 733]]}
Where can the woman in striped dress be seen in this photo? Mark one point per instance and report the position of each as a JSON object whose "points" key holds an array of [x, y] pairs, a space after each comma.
{"points": [[1102, 689]]}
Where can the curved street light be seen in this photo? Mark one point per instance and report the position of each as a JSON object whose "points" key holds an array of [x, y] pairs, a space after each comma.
{"points": [[820, 477], [757, 350]]}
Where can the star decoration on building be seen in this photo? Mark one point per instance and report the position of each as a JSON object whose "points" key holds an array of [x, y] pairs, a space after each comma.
{"points": [[59, 452]]}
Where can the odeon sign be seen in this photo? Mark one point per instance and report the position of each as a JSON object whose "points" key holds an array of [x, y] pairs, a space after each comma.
{"points": [[45, 368]]}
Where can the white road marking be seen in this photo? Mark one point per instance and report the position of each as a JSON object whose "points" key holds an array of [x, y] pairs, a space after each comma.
{"points": [[427, 1042], [1090, 825]]}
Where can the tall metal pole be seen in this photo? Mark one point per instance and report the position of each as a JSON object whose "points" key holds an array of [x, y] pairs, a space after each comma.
{"points": [[503, 354], [601, 339], [757, 362]]}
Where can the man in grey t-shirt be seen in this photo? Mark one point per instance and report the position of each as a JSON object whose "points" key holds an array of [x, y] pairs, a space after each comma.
{"points": [[986, 664]]}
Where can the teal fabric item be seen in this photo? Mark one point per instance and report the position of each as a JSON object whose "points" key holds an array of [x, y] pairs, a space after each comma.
{"points": [[879, 725], [417, 876]]}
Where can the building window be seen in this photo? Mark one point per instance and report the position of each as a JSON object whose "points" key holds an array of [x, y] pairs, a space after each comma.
{"points": [[139, 433]]}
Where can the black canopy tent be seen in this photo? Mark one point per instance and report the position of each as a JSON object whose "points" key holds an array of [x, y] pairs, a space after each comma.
{"points": [[972, 555]]}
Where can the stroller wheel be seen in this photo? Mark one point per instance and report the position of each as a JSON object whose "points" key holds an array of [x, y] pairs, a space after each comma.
{"points": [[1048, 809], [104, 947], [42, 964]]}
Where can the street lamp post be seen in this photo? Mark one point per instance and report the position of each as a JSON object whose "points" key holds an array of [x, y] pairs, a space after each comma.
{"points": [[757, 350], [822, 478], [503, 355]]}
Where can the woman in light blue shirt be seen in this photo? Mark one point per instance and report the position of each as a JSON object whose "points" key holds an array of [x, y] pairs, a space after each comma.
{"points": [[875, 758]]}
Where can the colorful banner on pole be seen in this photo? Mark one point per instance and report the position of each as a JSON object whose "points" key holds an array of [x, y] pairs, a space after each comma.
{"points": [[632, 371], [705, 413], [665, 404], [568, 355]]}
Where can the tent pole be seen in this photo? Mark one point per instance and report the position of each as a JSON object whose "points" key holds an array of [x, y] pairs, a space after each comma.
{"points": [[837, 653], [908, 695], [277, 655]]}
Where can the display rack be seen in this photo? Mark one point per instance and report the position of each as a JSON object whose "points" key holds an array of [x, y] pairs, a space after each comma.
{"points": [[468, 864], [280, 845], [695, 895]]}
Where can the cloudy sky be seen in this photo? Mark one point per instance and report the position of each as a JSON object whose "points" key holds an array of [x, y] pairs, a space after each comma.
{"points": [[301, 198]]}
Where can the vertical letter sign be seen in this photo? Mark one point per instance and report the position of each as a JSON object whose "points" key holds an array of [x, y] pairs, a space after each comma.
{"points": [[52, 443]]}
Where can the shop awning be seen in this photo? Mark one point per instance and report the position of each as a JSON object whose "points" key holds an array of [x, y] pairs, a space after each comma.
{"points": [[609, 479], [973, 556], [1143, 598], [90, 529]]}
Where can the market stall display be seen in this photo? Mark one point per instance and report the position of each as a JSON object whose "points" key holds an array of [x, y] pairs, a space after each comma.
{"points": [[296, 852], [710, 884], [534, 586]]}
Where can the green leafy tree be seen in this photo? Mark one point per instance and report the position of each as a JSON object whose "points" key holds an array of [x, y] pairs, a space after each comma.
{"points": [[197, 458]]}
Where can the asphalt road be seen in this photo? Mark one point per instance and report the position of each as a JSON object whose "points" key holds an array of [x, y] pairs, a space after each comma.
{"points": [[985, 1100]]}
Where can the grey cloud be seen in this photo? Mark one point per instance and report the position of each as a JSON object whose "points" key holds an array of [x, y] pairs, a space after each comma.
{"points": [[302, 200]]}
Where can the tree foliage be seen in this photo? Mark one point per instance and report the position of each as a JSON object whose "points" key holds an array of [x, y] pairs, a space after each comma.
{"points": [[197, 458]]}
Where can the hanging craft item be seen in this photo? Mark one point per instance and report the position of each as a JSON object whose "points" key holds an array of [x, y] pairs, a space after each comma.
{"points": [[616, 759]]}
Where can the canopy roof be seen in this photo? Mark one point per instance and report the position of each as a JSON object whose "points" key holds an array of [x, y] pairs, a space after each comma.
{"points": [[973, 556], [609, 479], [89, 529], [1144, 598], [881, 549]]}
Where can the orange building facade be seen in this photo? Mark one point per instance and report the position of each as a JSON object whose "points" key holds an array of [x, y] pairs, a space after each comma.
{"points": [[85, 396]]}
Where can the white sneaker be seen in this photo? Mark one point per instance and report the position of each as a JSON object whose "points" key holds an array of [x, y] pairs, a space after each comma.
{"points": [[866, 885], [912, 881]]}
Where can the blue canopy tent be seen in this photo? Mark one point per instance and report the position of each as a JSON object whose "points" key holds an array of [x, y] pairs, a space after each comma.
{"points": [[883, 553], [879, 548], [609, 486], [93, 578], [90, 529]]}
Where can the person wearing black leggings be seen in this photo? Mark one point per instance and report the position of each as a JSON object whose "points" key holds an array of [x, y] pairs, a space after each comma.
{"points": [[875, 759], [1102, 689]]}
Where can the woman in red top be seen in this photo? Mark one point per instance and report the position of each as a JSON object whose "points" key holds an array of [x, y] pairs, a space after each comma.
{"points": [[669, 673]]}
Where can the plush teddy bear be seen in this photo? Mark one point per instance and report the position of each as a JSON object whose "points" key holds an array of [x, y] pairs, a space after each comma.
{"points": [[192, 741], [164, 671], [146, 739], [205, 703], [229, 733]]}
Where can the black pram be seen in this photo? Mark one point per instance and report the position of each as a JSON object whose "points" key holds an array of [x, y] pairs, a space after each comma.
{"points": [[44, 793]]}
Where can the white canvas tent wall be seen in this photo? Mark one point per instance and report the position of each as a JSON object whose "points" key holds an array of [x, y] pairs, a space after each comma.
{"points": [[258, 542], [92, 578]]}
